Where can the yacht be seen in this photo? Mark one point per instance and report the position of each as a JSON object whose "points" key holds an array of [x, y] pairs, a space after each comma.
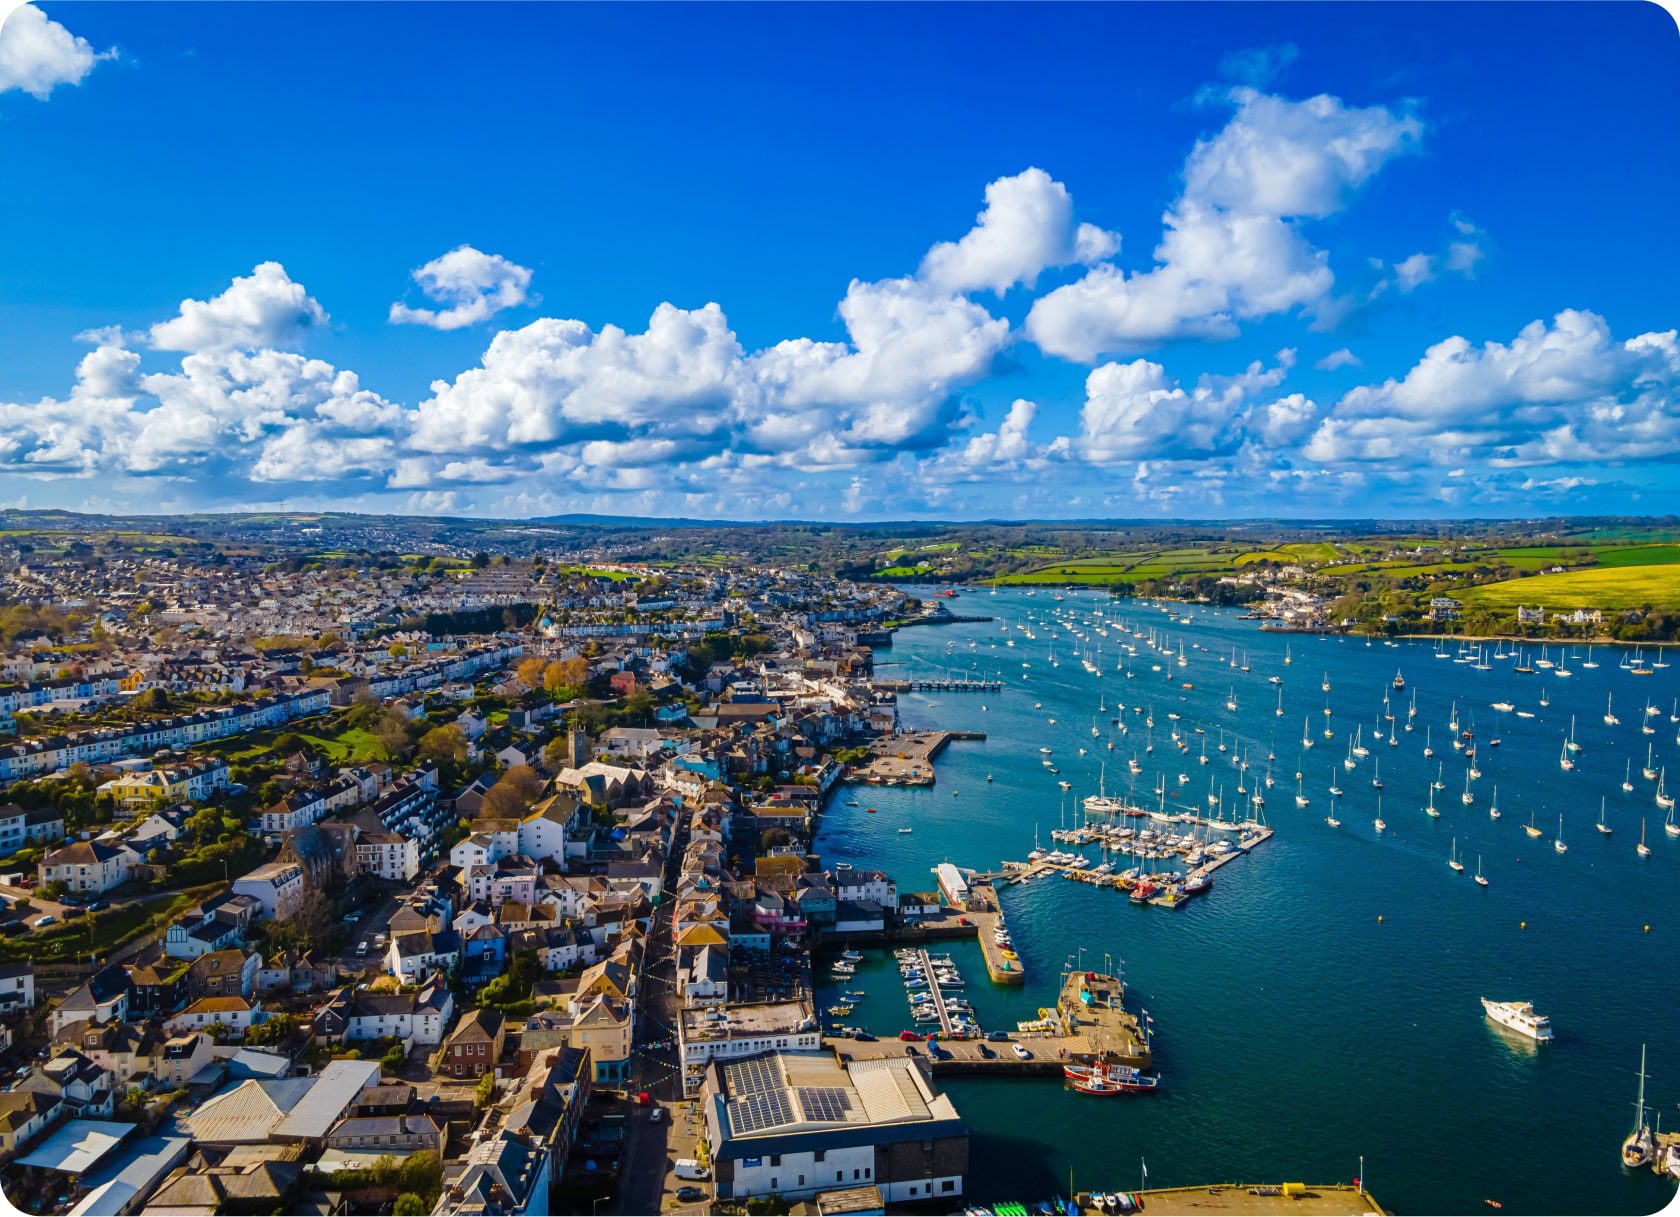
{"points": [[1557, 843], [1639, 1147], [1602, 826], [1379, 822], [1520, 1017], [1481, 879], [1452, 859]]}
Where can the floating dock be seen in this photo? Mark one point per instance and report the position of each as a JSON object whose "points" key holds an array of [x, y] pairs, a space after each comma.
{"points": [[1245, 1200]]}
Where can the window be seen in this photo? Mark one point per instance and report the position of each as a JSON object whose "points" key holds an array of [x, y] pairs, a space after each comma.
{"points": [[772, 1183], [840, 1176], [948, 1185], [775, 1159]]}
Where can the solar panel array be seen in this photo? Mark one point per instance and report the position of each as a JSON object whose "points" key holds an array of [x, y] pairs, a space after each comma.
{"points": [[756, 1112], [826, 1103], [758, 1097]]}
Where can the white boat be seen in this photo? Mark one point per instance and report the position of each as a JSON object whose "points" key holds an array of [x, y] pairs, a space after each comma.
{"points": [[1452, 859], [1520, 1017], [1558, 844], [1639, 1146], [1643, 850], [1481, 879], [1602, 826]]}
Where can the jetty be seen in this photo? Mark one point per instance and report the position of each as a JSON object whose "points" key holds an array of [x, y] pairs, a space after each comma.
{"points": [[940, 684], [1241, 1200], [1088, 1023], [1161, 892], [907, 759]]}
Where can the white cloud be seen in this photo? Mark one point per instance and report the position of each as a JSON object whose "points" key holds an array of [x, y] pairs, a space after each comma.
{"points": [[263, 309], [1231, 249], [1414, 271], [37, 54], [1567, 391], [1341, 358], [1026, 227], [473, 285], [1135, 411]]}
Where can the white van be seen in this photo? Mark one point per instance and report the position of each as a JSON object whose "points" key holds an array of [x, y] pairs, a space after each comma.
{"points": [[688, 1168]]}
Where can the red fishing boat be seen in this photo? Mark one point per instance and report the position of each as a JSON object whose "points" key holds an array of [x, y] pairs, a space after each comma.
{"points": [[1109, 1079]]}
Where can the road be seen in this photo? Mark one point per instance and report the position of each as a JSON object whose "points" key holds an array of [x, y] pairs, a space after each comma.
{"points": [[650, 1151]]}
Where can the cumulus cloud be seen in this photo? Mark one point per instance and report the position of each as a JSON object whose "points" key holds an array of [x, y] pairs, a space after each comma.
{"points": [[1135, 411], [1410, 272], [264, 309], [473, 286], [1232, 249], [37, 54], [1341, 358], [1558, 392], [1027, 226]]}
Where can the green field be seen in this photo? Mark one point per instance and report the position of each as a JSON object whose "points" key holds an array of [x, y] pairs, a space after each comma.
{"points": [[1595, 588]]}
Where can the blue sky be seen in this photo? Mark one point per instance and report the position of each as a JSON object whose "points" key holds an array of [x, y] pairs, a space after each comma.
{"points": [[843, 262]]}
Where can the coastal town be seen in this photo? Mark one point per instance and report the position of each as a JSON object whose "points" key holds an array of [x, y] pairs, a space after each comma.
{"points": [[461, 884]]}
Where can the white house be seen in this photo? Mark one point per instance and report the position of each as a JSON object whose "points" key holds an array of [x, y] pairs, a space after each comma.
{"points": [[277, 886], [89, 866], [238, 1014]]}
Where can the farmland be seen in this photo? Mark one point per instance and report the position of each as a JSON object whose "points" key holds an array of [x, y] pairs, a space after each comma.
{"points": [[1606, 587]]}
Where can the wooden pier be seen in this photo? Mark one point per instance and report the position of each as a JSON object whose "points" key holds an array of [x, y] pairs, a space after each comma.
{"points": [[939, 685], [1172, 896], [987, 916]]}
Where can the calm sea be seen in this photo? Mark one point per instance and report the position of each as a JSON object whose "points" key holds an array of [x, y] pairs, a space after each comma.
{"points": [[1297, 1032]]}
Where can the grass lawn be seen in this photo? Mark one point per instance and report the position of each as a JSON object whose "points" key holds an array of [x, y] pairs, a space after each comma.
{"points": [[1640, 555], [1595, 588], [902, 572]]}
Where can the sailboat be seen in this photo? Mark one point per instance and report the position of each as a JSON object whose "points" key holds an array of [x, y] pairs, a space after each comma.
{"points": [[1529, 828], [1326, 685], [1602, 826], [1331, 819], [1306, 733], [1649, 771], [1565, 761], [1610, 719], [1558, 844], [1669, 826], [1545, 697], [1427, 750], [1627, 777], [1481, 879], [1286, 658], [1431, 810], [1280, 702], [1376, 773], [1453, 860], [1467, 797], [1301, 799], [1493, 808], [1664, 799], [1379, 822], [1639, 1145], [1643, 850]]}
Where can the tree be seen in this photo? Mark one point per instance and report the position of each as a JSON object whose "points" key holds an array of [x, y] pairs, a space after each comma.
{"points": [[485, 1091], [525, 780], [503, 802], [392, 733], [530, 672], [555, 753], [480, 560], [273, 1030], [409, 1205], [562, 675], [445, 743]]}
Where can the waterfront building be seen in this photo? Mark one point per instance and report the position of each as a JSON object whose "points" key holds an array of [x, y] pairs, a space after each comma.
{"points": [[799, 1123], [741, 1029]]}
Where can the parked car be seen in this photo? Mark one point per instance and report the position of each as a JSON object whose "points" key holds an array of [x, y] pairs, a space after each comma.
{"points": [[688, 1193], [45, 920], [1022, 1053], [98, 906], [656, 1116], [987, 1052], [70, 914]]}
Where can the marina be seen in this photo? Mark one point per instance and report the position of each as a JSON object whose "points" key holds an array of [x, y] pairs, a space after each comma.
{"points": [[1347, 922]]}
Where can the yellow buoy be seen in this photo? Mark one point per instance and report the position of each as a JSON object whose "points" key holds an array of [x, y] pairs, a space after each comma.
{"points": [[1647, 929], [1525, 925], [1379, 918]]}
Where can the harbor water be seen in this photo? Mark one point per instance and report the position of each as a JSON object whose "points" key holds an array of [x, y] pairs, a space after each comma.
{"points": [[1322, 1001]]}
